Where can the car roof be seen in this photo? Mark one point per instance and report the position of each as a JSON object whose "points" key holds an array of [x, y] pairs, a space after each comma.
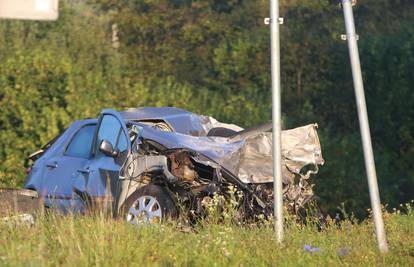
{"points": [[149, 113], [178, 120], [167, 114]]}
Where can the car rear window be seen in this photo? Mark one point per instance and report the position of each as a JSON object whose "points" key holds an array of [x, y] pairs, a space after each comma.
{"points": [[81, 143], [38, 153]]}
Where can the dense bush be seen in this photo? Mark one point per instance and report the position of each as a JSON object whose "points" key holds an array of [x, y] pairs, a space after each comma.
{"points": [[212, 57]]}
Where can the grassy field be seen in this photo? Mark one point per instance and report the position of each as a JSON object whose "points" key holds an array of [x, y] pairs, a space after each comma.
{"points": [[98, 241]]}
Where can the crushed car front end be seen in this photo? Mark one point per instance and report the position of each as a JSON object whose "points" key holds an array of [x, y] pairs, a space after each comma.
{"points": [[192, 168]]}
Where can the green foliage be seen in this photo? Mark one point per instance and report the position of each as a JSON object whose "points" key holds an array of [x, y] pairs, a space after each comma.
{"points": [[212, 57]]}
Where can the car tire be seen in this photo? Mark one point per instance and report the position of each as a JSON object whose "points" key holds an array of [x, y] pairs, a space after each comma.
{"points": [[149, 204], [221, 132]]}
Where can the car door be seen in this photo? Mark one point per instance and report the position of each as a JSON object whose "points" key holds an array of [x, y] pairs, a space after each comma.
{"points": [[62, 168], [99, 178]]}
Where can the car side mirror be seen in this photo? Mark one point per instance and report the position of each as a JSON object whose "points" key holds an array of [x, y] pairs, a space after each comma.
{"points": [[107, 148]]}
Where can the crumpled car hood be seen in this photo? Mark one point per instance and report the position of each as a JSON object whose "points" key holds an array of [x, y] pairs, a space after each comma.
{"points": [[250, 158], [252, 162]]}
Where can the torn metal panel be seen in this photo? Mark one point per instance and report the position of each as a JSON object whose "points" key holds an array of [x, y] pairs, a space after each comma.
{"points": [[209, 123], [300, 148], [138, 165]]}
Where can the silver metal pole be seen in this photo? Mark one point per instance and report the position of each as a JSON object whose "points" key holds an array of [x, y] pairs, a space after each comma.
{"points": [[276, 119], [364, 125]]}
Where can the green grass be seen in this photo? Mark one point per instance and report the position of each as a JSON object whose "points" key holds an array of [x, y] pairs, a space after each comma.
{"points": [[97, 241]]}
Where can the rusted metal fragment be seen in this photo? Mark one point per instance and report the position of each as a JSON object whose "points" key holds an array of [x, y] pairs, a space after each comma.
{"points": [[19, 201], [181, 165]]}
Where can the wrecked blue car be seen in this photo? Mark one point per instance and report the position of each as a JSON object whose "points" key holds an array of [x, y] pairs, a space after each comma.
{"points": [[140, 163]]}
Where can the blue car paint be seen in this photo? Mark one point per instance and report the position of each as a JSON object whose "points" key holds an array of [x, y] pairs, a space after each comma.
{"points": [[101, 172], [41, 178], [61, 180]]}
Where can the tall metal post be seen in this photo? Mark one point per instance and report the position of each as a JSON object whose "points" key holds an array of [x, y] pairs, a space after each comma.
{"points": [[364, 125], [276, 119]]}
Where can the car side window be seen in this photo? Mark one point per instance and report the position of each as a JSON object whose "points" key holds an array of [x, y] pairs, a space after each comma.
{"points": [[81, 143], [111, 130], [122, 142]]}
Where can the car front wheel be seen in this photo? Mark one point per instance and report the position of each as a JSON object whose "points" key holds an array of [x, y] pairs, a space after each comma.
{"points": [[149, 204]]}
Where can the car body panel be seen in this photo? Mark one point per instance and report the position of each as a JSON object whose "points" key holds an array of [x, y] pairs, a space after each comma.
{"points": [[35, 179], [54, 184], [98, 179]]}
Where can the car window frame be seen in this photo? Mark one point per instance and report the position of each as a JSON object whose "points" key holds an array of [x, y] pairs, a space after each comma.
{"points": [[121, 129], [73, 136]]}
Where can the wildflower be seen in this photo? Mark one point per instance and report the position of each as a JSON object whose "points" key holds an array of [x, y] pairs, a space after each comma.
{"points": [[311, 249]]}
